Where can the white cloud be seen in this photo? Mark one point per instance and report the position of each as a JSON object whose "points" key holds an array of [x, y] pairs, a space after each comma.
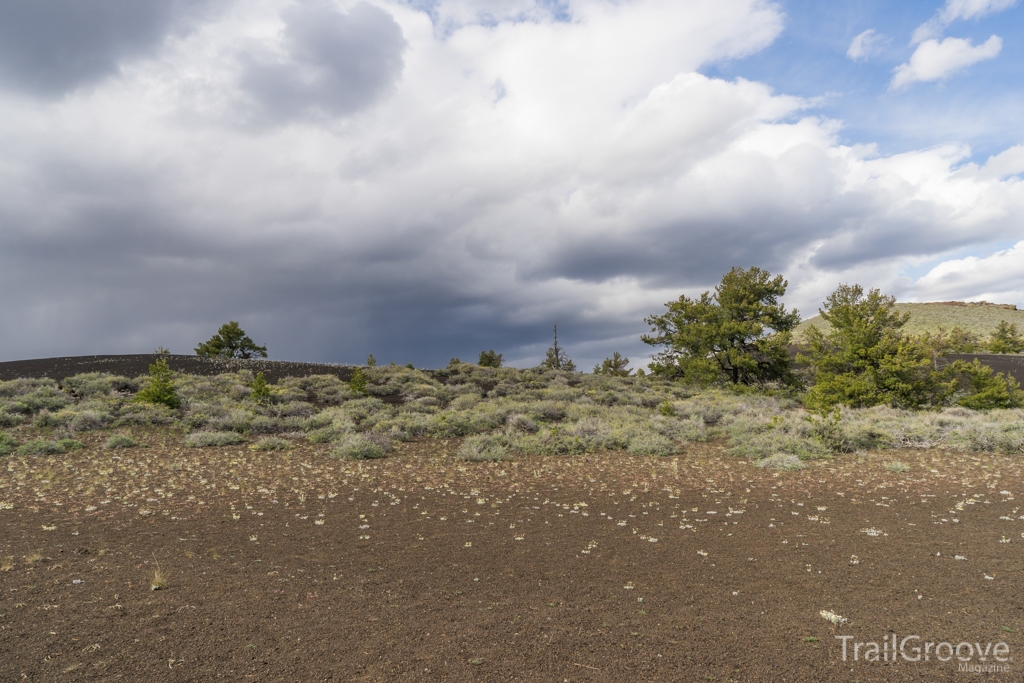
{"points": [[958, 9], [934, 60], [865, 44], [610, 177], [998, 278]]}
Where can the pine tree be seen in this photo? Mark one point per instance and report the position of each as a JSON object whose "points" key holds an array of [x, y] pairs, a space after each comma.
{"points": [[230, 341], [160, 388], [616, 366]]}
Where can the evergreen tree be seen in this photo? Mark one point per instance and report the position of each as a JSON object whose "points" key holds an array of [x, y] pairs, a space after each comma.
{"points": [[866, 359], [230, 342], [160, 388], [616, 366], [1006, 339], [490, 359], [740, 334]]}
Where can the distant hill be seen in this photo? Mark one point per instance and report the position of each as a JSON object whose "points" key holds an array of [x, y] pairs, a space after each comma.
{"points": [[978, 317]]}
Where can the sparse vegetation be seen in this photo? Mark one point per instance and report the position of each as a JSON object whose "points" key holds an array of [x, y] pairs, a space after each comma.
{"points": [[205, 439], [272, 443], [120, 441]]}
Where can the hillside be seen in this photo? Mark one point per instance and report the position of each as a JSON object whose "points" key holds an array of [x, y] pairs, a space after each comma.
{"points": [[980, 317]]}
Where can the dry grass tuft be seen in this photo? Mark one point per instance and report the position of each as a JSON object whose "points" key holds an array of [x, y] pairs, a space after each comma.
{"points": [[159, 579], [8, 564]]}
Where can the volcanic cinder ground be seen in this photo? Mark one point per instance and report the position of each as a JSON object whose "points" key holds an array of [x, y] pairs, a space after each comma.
{"points": [[700, 567]]}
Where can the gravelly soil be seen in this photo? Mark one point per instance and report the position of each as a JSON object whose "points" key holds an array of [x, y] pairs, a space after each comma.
{"points": [[295, 566]]}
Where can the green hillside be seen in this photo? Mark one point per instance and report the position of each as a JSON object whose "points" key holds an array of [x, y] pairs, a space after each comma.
{"points": [[980, 318]]}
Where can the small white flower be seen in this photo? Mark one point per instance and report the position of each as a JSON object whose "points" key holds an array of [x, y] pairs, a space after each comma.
{"points": [[702, 553]]}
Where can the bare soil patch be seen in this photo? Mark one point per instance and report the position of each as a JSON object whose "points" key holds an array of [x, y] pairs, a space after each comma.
{"points": [[296, 566]]}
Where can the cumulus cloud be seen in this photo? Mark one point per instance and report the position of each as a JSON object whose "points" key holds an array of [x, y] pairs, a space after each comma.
{"points": [[425, 217], [935, 60], [48, 47], [955, 10], [998, 277], [865, 44], [328, 61]]}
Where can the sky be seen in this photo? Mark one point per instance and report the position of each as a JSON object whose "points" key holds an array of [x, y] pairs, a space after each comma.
{"points": [[425, 179]]}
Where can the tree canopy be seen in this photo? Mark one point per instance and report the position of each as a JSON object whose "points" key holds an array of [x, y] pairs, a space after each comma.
{"points": [[866, 359], [616, 366], [230, 342], [740, 334]]}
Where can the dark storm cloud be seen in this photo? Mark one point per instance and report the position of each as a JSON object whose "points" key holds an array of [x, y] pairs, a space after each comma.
{"points": [[337, 63], [48, 47]]}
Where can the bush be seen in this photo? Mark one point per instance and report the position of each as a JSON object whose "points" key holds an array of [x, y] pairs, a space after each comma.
{"points": [[272, 443], [897, 466], [70, 444], [7, 444], [204, 439], [782, 461], [358, 447], [651, 444], [260, 390], [120, 441], [40, 447], [759, 445], [484, 448], [160, 388], [10, 419]]}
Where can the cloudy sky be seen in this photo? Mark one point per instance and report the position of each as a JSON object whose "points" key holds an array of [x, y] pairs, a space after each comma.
{"points": [[423, 179]]}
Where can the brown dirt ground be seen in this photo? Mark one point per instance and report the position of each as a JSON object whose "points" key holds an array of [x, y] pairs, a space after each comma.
{"points": [[294, 566]]}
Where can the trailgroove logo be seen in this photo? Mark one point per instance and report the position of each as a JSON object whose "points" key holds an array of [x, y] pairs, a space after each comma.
{"points": [[970, 657]]}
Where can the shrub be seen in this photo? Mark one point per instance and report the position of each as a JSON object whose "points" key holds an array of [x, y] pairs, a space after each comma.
{"points": [[120, 441], [358, 447], [782, 461], [10, 419], [70, 444], [260, 390], [758, 445], [897, 466], [651, 444], [483, 448], [204, 439], [7, 444], [40, 447], [160, 388], [272, 443], [357, 385]]}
